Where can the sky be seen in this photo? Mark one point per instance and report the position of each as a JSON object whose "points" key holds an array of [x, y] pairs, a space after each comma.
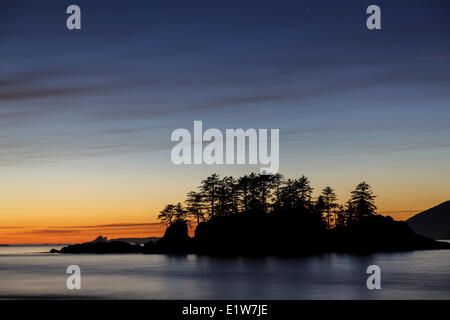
{"points": [[86, 115]]}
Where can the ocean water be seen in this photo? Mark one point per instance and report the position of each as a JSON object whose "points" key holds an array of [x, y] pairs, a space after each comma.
{"points": [[28, 272]]}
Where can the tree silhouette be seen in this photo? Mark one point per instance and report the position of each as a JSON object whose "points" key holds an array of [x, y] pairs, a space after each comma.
{"points": [[362, 201], [209, 188], [166, 215], [195, 206], [180, 213], [270, 195], [341, 217], [329, 200], [266, 185], [350, 213], [295, 195], [269, 215], [303, 185], [243, 190], [319, 208], [255, 201], [287, 196], [277, 182], [225, 195]]}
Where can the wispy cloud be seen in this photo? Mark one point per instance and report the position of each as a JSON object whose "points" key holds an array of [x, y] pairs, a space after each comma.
{"points": [[80, 230]]}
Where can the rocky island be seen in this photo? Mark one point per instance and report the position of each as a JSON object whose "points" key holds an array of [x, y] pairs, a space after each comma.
{"points": [[261, 215]]}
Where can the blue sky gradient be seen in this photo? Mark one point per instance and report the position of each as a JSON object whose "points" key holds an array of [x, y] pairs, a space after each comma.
{"points": [[95, 108]]}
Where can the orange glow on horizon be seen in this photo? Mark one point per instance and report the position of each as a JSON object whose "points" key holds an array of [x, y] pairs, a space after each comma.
{"points": [[78, 234], [62, 206]]}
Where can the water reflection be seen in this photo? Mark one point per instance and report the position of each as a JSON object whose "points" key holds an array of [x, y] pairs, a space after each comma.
{"points": [[411, 275]]}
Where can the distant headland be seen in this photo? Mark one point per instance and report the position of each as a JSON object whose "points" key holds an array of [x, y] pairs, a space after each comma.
{"points": [[262, 215], [434, 222]]}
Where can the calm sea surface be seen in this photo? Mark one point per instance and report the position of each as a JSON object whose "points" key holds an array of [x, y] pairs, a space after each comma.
{"points": [[29, 272]]}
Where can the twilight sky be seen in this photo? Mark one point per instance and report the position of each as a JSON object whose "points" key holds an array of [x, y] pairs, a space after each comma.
{"points": [[86, 116]]}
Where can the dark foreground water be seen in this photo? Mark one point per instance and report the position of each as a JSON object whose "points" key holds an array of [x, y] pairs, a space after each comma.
{"points": [[27, 273]]}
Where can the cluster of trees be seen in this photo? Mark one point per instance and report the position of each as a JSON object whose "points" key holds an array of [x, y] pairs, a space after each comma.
{"points": [[257, 194]]}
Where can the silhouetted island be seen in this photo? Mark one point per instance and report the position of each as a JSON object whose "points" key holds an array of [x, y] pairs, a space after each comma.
{"points": [[101, 245], [261, 215]]}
